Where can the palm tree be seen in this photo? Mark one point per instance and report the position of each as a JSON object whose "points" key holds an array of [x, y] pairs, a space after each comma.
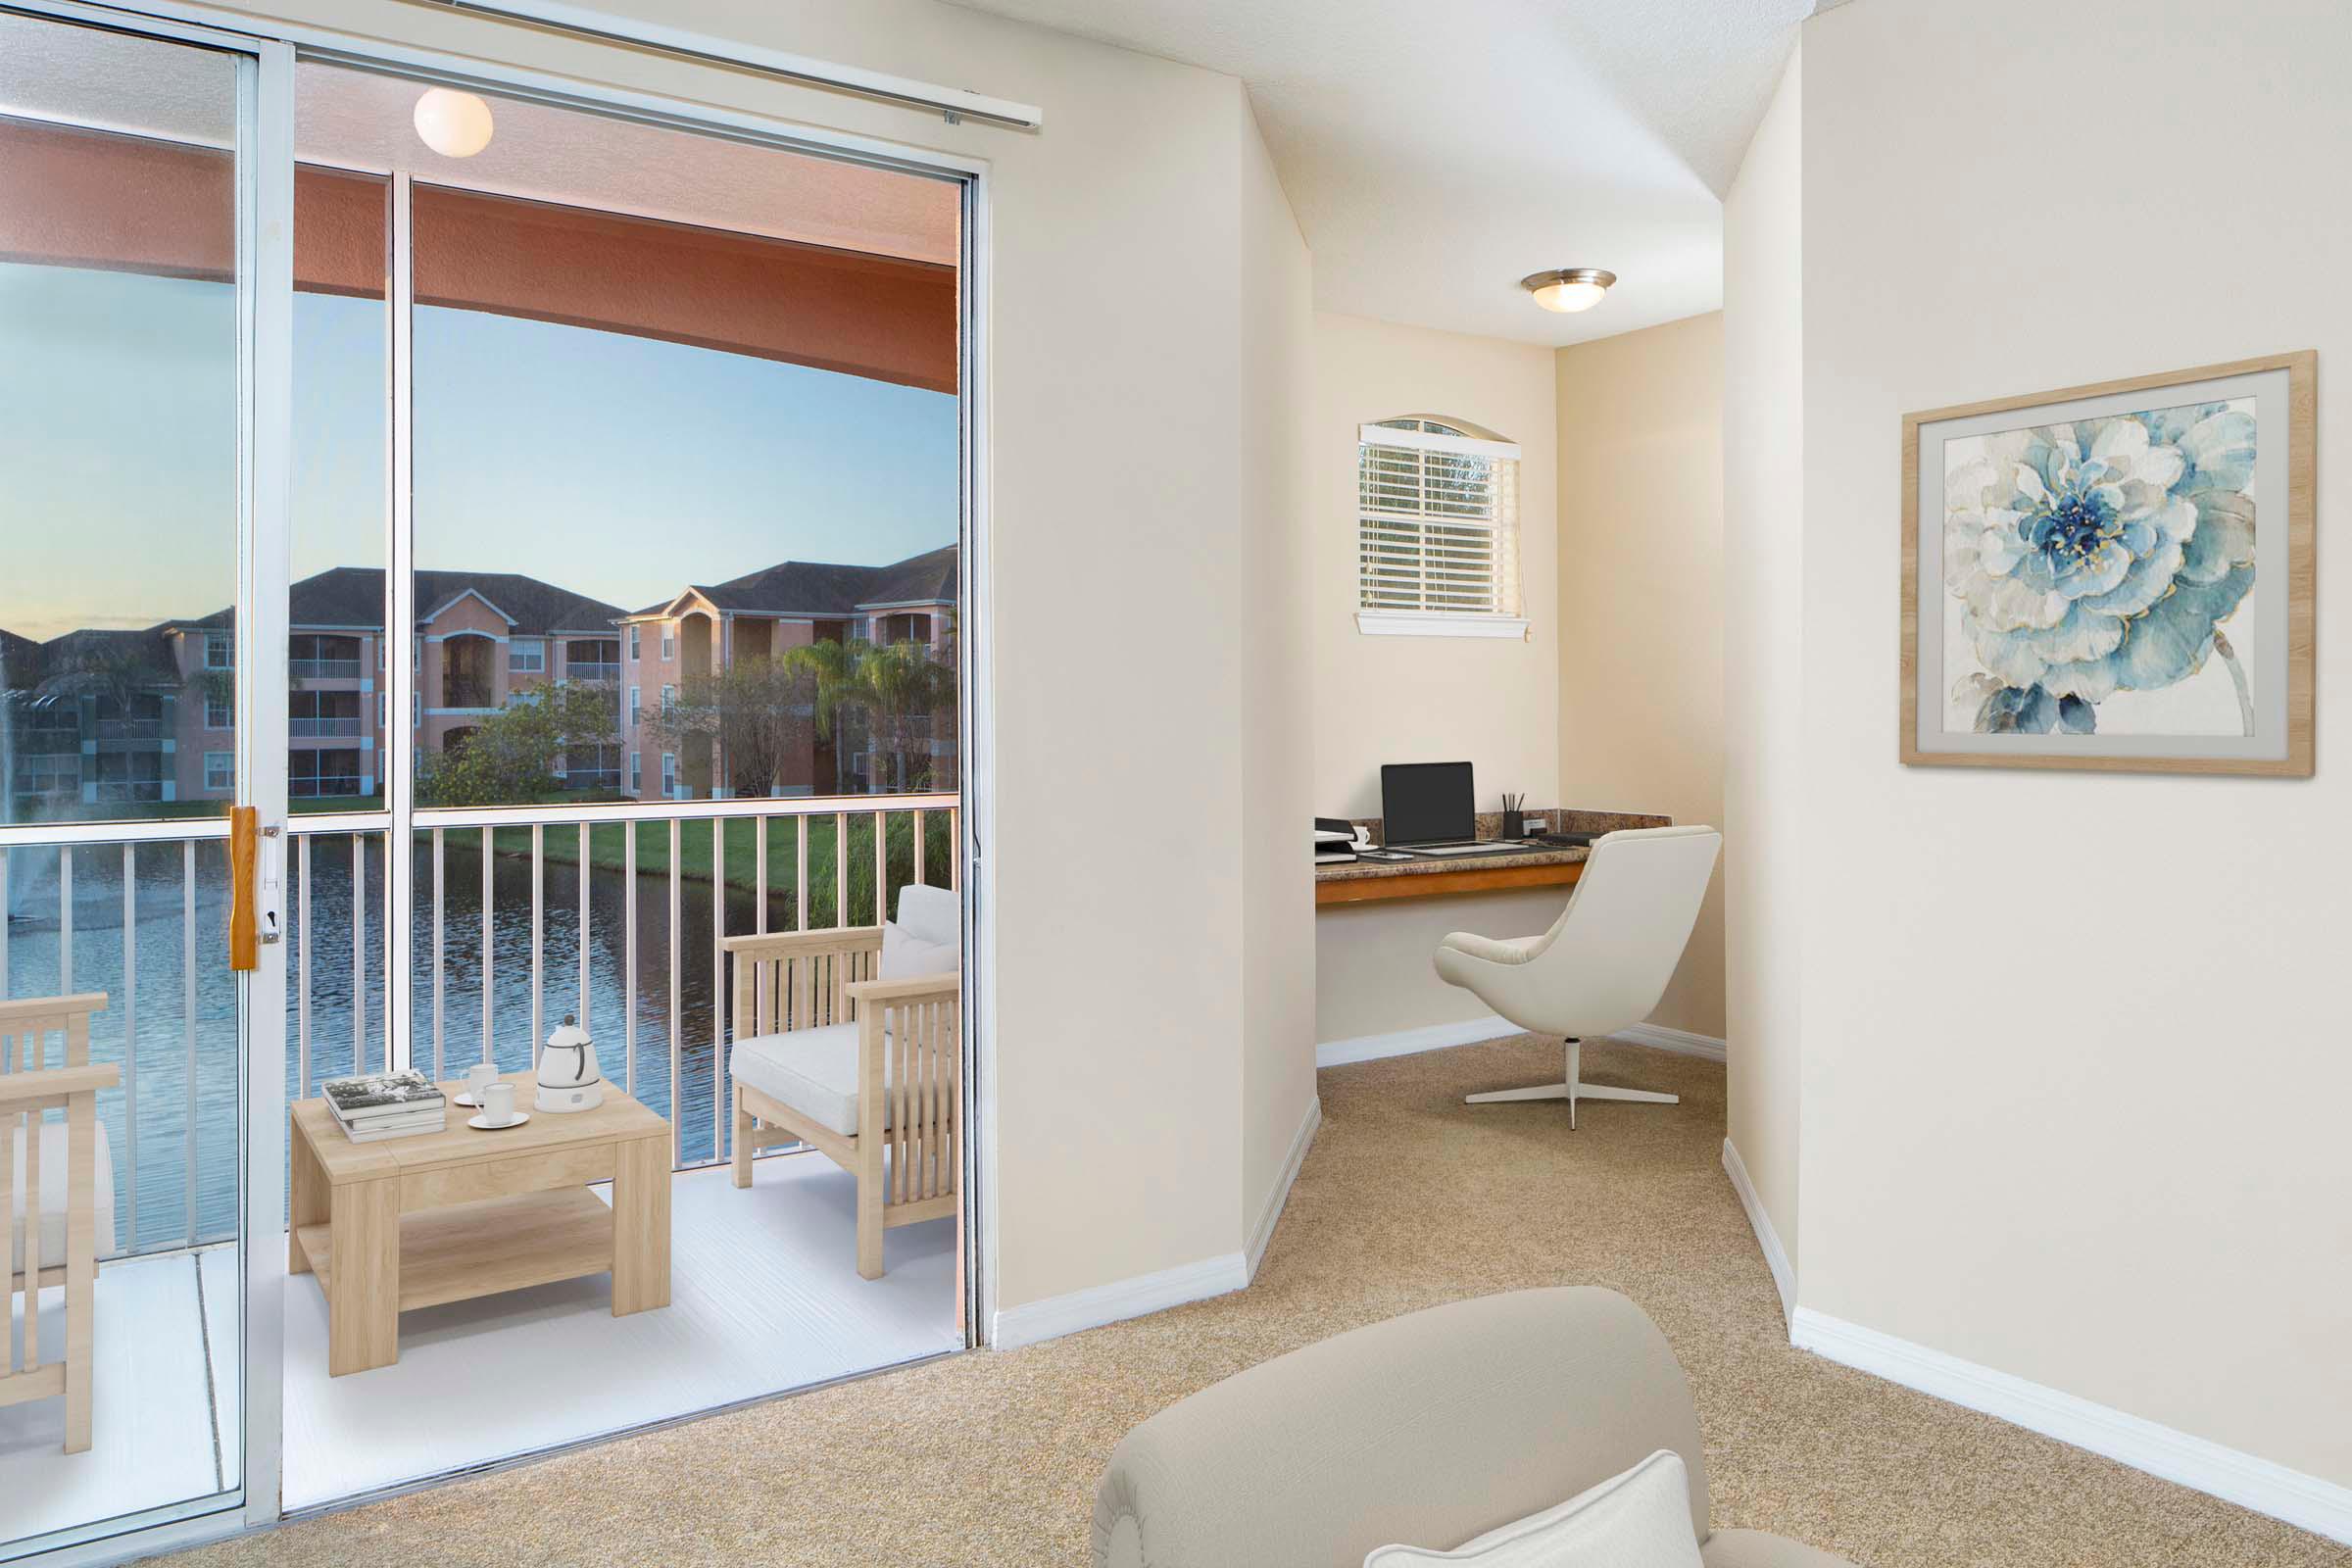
{"points": [[833, 666], [901, 682]]}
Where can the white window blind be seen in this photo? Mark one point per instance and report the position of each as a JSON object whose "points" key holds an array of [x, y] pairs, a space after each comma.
{"points": [[1438, 521]]}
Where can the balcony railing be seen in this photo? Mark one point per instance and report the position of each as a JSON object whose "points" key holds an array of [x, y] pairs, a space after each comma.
{"points": [[130, 791], [326, 786], [332, 724], [131, 729], [323, 669], [591, 672], [464, 694]]}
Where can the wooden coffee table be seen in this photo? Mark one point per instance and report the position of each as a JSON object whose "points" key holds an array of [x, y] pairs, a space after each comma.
{"points": [[446, 1217]]}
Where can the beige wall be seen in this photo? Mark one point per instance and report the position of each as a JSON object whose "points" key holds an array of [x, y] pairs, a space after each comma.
{"points": [[1430, 698], [1640, 547], [2074, 1103], [1277, 911], [1423, 699], [1118, 352], [1763, 675]]}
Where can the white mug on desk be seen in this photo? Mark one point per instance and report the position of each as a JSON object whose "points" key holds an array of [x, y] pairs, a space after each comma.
{"points": [[497, 1103], [478, 1077]]}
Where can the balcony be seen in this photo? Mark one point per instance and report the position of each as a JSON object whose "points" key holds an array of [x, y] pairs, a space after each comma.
{"points": [[323, 669], [314, 728], [767, 1296], [132, 730], [325, 786], [609, 673]]}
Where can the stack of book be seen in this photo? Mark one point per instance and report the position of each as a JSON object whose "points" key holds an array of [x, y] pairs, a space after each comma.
{"points": [[385, 1104]]}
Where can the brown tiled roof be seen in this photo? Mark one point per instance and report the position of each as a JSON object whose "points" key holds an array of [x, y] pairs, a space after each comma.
{"points": [[826, 588]]}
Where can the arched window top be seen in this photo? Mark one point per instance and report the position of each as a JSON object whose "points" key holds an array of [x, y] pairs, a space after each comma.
{"points": [[1440, 424]]}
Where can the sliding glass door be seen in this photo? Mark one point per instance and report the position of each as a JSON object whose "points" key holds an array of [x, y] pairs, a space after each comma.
{"points": [[142, 772]]}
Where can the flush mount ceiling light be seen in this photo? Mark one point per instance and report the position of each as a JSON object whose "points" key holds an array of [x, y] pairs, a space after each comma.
{"points": [[452, 124], [1568, 288]]}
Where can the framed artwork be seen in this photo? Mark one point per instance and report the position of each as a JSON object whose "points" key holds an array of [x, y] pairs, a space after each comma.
{"points": [[2115, 577]]}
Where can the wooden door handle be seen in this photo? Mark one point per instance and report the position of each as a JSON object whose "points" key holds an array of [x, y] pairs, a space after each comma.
{"points": [[244, 853]]}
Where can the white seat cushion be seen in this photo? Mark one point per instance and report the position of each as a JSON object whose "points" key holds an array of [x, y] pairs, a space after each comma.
{"points": [[53, 1195], [813, 1072]]}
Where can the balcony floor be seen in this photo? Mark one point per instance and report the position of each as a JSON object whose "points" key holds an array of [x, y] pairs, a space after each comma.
{"points": [[765, 1296], [163, 1424]]}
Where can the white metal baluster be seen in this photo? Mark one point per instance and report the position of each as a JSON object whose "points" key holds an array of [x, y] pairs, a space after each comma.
{"points": [[881, 868], [799, 876], [840, 869], [955, 848], [583, 931], [487, 833], [187, 1007], [719, 987], [538, 936], [64, 920], [629, 958], [440, 889], [760, 878], [677, 1139], [130, 1036], [301, 962], [359, 953]]}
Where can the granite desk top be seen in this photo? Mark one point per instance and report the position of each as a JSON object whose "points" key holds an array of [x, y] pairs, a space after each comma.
{"points": [[1489, 826]]}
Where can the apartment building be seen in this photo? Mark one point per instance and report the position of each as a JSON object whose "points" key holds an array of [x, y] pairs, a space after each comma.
{"points": [[764, 616]]}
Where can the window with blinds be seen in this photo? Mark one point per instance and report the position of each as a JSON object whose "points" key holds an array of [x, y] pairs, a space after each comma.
{"points": [[1437, 525]]}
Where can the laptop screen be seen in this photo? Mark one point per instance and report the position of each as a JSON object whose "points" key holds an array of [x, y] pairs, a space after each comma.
{"points": [[1426, 803]]}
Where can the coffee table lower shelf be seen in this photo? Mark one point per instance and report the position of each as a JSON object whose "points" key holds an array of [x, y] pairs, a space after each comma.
{"points": [[483, 1248]]}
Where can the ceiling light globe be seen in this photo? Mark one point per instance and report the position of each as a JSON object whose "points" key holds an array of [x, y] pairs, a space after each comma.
{"points": [[1569, 289], [452, 124]]}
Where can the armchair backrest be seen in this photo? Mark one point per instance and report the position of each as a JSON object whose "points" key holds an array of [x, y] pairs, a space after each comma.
{"points": [[1430, 1427], [1607, 959]]}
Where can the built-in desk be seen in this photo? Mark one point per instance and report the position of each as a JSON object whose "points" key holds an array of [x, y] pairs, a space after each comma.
{"points": [[1371, 881]]}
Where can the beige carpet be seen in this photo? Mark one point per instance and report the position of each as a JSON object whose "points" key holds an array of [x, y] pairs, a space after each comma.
{"points": [[1408, 1198]]}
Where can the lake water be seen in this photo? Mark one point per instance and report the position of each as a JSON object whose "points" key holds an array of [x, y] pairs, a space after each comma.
{"points": [[158, 1097]]}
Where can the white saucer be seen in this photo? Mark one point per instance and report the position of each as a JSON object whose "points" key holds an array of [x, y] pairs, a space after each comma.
{"points": [[480, 1125], [467, 1101]]}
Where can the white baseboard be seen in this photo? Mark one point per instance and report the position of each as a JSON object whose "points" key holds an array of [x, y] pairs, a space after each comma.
{"points": [[1776, 1257], [1470, 1031], [1263, 1230], [2308, 1502], [1407, 1042], [1679, 1040], [1091, 1308]]}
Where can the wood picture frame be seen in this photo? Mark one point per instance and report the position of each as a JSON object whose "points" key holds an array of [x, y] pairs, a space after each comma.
{"points": [[2029, 727]]}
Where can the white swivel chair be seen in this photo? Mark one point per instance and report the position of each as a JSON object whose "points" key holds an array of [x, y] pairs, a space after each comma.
{"points": [[1605, 961]]}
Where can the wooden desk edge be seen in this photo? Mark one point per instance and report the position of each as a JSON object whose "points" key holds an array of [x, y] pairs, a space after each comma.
{"points": [[1436, 884]]}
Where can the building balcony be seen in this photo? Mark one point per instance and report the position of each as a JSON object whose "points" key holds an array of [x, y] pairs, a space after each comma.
{"points": [[324, 787], [323, 669], [314, 728], [591, 672]]}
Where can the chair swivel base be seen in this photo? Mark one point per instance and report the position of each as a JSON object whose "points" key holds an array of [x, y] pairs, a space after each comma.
{"points": [[1573, 1091]]}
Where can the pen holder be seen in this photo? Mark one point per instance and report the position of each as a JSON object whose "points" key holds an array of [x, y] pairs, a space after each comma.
{"points": [[1514, 824]]}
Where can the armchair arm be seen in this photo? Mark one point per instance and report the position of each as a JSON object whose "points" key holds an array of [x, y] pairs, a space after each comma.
{"points": [[802, 944], [915, 988], [54, 1084]]}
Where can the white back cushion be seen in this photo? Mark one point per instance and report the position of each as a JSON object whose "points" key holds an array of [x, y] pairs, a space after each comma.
{"points": [[1641, 1519], [905, 956], [930, 914]]}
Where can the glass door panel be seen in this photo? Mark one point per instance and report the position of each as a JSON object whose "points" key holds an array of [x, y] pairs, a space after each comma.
{"points": [[126, 334]]}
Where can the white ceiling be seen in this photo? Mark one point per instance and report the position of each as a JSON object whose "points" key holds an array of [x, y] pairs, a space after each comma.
{"points": [[1435, 154]]}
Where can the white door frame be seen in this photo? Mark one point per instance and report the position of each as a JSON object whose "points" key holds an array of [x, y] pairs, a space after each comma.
{"points": [[265, 284], [274, 45]]}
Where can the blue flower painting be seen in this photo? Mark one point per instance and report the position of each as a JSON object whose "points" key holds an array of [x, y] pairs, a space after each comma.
{"points": [[2095, 568]]}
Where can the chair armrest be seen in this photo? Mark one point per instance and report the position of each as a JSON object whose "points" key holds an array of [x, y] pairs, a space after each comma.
{"points": [[55, 1083], [803, 944], [915, 988]]}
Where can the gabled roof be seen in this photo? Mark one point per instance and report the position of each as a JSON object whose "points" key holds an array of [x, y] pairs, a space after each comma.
{"points": [[828, 588], [353, 596]]}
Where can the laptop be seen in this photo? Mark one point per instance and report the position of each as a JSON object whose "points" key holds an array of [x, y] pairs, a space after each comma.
{"points": [[1430, 808]]}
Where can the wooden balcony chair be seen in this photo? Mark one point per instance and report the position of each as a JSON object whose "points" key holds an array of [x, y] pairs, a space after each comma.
{"points": [[57, 1193], [849, 1041]]}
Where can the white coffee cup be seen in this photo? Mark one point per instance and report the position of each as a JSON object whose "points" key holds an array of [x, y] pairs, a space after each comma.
{"points": [[478, 1077], [497, 1103]]}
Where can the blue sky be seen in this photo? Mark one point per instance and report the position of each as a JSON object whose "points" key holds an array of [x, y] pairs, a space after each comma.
{"points": [[619, 466]]}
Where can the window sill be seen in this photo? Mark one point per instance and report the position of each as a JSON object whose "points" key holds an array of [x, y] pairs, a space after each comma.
{"points": [[1434, 624]]}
